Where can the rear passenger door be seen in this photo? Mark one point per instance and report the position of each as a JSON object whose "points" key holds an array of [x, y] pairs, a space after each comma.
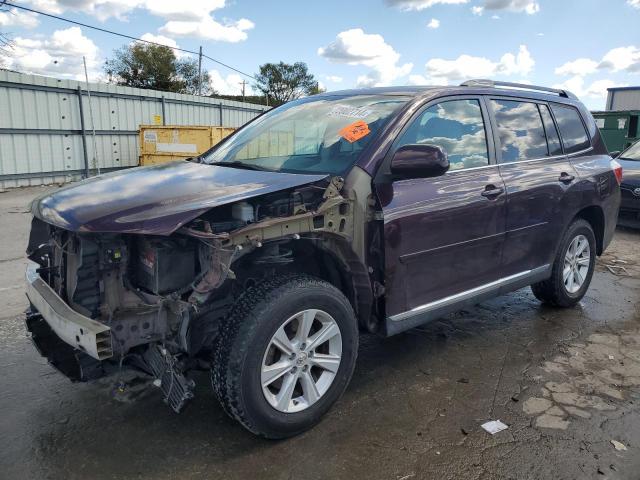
{"points": [[537, 175]]}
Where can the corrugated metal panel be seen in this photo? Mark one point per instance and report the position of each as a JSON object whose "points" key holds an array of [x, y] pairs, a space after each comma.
{"points": [[624, 99], [41, 132]]}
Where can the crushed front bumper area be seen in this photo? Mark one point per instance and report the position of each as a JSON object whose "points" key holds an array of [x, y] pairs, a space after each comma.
{"points": [[73, 344], [80, 347]]}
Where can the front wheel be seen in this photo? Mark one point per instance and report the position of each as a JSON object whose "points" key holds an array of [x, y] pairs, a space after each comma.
{"points": [[572, 268], [285, 354]]}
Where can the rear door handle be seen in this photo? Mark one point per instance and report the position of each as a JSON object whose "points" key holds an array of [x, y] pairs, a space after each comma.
{"points": [[566, 178], [491, 192]]}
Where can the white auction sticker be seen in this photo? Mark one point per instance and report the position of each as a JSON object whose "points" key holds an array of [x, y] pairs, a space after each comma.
{"points": [[349, 111]]}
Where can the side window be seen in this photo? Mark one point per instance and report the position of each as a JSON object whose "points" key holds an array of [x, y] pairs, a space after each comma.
{"points": [[574, 136], [520, 129], [456, 126], [550, 129]]}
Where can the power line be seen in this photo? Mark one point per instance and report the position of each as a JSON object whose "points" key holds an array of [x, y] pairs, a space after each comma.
{"points": [[104, 30]]}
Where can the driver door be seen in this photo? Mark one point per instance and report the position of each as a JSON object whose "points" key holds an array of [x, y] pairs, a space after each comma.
{"points": [[444, 235]]}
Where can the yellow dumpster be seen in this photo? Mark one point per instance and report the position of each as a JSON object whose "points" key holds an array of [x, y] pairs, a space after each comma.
{"points": [[165, 143]]}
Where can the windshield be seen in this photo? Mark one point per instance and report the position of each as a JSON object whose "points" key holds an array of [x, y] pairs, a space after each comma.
{"points": [[311, 135], [631, 153]]}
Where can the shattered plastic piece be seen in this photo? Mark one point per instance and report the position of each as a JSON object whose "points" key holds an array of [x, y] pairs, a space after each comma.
{"points": [[157, 382], [618, 446], [617, 270], [494, 426]]}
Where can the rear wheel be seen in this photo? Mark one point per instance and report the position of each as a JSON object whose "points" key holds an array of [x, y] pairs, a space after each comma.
{"points": [[572, 269], [285, 354]]}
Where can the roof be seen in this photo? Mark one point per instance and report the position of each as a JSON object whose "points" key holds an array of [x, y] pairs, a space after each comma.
{"points": [[405, 90], [618, 89], [527, 91]]}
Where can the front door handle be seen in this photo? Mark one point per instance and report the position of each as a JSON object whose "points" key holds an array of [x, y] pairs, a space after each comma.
{"points": [[491, 192], [566, 178]]}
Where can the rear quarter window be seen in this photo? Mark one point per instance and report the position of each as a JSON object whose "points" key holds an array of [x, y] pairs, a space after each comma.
{"points": [[572, 131]]}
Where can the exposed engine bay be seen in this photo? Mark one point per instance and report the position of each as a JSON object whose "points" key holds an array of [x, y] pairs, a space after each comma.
{"points": [[158, 300]]}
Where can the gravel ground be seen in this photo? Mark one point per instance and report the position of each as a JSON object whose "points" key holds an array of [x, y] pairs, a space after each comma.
{"points": [[566, 382]]}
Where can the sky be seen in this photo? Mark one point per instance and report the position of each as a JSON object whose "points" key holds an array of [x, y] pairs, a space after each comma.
{"points": [[585, 46]]}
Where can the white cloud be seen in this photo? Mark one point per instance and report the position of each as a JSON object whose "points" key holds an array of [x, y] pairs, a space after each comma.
{"points": [[434, 23], [18, 18], [162, 40], [595, 90], [634, 3], [495, 17], [581, 66], [59, 55], [101, 9], [408, 5], [209, 29], [527, 6], [355, 47], [229, 85], [477, 10], [623, 58], [441, 71], [619, 59], [184, 18], [333, 78], [184, 9]]}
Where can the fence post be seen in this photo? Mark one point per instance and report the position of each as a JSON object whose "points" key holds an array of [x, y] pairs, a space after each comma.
{"points": [[164, 117], [84, 134]]}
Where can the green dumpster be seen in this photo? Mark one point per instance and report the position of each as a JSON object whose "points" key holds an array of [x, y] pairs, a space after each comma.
{"points": [[619, 129]]}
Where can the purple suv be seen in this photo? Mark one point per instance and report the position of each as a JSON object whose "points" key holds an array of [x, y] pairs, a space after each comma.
{"points": [[357, 211]]}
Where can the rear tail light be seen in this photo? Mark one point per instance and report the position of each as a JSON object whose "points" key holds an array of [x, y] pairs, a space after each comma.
{"points": [[617, 169]]}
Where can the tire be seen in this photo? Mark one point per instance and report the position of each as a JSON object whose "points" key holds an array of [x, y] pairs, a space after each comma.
{"points": [[555, 291], [245, 350]]}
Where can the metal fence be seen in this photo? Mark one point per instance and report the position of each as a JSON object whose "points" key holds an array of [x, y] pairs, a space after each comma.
{"points": [[46, 134]]}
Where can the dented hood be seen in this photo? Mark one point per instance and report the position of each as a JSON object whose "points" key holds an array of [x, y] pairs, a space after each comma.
{"points": [[158, 199]]}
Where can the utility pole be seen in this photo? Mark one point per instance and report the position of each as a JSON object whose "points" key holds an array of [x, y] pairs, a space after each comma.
{"points": [[96, 163], [243, 83], [200, 71]]}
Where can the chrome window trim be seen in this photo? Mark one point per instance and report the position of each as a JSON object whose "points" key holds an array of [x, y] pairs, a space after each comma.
{"points": [[555, 157], [461, 296]]}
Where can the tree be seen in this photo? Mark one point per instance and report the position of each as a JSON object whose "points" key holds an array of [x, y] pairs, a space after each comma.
{"points": [[145, 65], [283, 82]]}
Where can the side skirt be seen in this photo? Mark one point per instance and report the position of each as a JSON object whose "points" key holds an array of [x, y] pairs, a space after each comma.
{"points": [[439, 308]]}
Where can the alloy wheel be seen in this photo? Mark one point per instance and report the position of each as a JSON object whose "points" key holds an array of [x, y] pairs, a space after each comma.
{"points": [[577, 261], [301, 361]]}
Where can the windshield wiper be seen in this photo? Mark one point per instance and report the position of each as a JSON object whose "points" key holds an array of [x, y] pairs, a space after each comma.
{"points": [[246, 166]]}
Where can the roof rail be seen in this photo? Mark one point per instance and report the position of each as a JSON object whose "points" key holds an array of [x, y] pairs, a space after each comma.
{"points": [[520, 86]]}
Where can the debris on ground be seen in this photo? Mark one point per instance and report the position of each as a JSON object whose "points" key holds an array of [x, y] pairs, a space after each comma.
{"points": [[617, 269], [618, 446], [494, 426]]}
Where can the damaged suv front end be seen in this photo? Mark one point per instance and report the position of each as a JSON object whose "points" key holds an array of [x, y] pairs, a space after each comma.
{"points": [[138, 268]]}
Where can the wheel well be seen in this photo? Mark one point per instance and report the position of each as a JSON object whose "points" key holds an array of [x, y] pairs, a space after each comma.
{"points": [[328, 260], [595, 216]]}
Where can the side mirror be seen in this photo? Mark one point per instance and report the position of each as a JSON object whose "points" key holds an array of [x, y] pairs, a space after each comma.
{"points": [[419, 161], [615, 154]]}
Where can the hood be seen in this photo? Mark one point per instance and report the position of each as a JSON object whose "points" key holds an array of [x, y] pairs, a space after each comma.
{"points": [[156, 200], [630, 172]]}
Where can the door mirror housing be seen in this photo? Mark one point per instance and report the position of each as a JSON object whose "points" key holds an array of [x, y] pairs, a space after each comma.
{"points": [[615, 154], [419, 161]]}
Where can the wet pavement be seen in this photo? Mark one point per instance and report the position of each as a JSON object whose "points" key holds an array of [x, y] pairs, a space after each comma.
{"points": [[566, 382]]}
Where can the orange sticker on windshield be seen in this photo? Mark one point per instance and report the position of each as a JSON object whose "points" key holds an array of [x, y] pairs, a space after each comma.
{"points": [[355, 131]]}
